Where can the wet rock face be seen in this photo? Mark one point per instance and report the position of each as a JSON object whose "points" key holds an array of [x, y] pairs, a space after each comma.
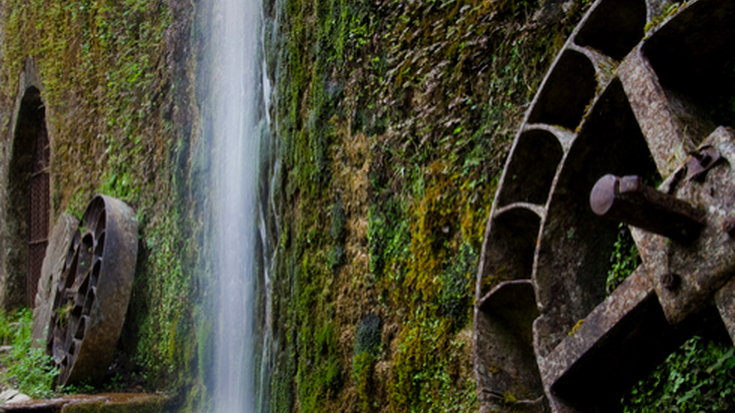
{"points": [[618, 100]]}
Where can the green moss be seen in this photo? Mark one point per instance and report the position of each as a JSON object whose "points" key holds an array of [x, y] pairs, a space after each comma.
{"points": [[164, 328], [363, 368], [458, 281], [337, 230], [425, 372], [388, 240]]}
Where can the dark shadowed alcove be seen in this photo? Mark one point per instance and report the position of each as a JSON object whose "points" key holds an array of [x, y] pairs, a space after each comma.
{"points": [[28, 201]]}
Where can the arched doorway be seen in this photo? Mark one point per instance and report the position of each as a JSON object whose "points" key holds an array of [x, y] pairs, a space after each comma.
{"points": [[28, 201]]}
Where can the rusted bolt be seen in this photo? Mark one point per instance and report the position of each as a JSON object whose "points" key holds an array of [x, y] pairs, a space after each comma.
{"points": [[702, 157], [670, 281], [628, 200], [701, 162]]}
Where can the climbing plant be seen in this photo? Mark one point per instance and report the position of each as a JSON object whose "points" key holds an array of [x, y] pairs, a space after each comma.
{"points": [[699, 376]]}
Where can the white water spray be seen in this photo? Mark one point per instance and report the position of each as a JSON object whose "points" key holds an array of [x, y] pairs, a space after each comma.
{"points": [[238, 95]]}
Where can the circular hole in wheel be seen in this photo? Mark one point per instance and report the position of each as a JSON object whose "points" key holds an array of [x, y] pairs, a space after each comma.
{"points": [[76, 240], [69, 336], [76, 313], [96, 268], [72, 349], [101, 224], [82, 290], [81, 328], [67, 278], [99, 247], [71, 253], [57, 345], [85, 254], [91, 296]]}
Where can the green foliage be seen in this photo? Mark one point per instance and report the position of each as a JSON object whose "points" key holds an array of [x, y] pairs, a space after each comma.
{"points": [[388, 240], [318, 39], [79, 388], [6, 328], [29, 369], [321, 380], [697, 377], [320, 384], [624, 259], [158, 347]]}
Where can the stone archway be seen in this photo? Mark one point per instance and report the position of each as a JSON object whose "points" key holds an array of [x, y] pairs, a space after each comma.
{"points": [[28, 201]]}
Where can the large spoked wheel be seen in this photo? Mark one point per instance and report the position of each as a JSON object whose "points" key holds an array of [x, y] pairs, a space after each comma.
{"points": [[622, 102], [91, 298]]}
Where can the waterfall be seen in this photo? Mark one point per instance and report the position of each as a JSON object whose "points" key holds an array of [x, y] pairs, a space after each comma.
{"points": [[238, 124]]}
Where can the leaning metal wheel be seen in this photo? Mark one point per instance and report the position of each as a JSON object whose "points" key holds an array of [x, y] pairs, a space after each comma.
{"points": [[92, 296], [619, 107]]}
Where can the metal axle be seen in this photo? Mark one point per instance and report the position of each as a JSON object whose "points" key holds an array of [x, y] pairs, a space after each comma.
{"points": [[628, 200]]}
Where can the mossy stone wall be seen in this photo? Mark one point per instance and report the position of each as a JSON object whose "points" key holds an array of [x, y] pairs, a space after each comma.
{"points": [[117, 82], [394, 120]]}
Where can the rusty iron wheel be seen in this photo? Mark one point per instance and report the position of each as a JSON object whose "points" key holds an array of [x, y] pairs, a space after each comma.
{"points": [[91, 299], [632, 101]]}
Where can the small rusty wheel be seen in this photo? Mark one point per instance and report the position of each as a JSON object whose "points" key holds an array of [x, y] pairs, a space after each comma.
{"points": [[623, 113], [92, 296]]}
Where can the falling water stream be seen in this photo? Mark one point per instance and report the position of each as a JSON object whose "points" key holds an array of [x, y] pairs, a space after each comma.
{"points": [[241, 93]]}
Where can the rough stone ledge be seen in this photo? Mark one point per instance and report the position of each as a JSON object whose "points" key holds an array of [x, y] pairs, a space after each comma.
{"points": [[99, 403]]}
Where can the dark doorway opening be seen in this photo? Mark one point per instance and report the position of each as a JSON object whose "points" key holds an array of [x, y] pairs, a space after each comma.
{"points": [[28, 201]]}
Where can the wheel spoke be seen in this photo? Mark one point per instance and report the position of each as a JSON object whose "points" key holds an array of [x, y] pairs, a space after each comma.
{"points": [[669, 126], [725, 300], [622, 338]]}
